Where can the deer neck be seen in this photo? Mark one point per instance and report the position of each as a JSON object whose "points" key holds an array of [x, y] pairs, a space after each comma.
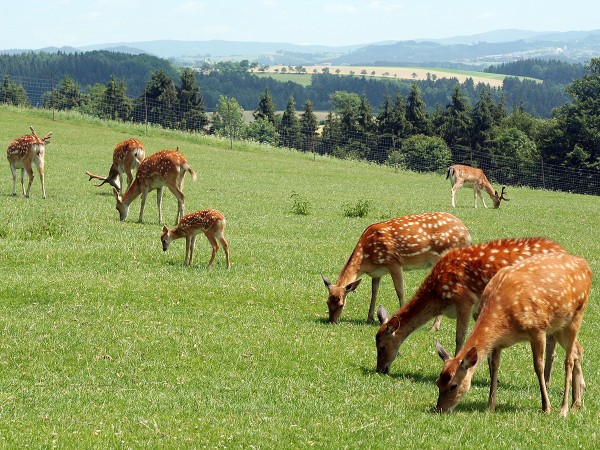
{"points": [[352, 269], [132, 192], [417, 312]]}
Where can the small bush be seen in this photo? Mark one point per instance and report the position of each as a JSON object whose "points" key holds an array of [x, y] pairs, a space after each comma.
{"points": [[360, 209], [301, 205]]}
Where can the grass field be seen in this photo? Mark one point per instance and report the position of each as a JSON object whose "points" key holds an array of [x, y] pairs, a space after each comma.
{"points": [[108, 342], [399, 73]]}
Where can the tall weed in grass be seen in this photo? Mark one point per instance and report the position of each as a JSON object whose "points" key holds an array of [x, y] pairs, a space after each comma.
{"points": [[109, 342]]}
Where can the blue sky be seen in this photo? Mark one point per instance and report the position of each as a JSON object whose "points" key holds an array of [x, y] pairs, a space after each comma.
{"points": [[37, 24]]}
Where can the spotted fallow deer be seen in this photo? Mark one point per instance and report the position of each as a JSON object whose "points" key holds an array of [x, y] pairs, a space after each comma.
{"points": [[165, 168], [470, 176], [25, 152], [543, 295], [208, 221], [409, 242], [127, 157], [453, 288]]}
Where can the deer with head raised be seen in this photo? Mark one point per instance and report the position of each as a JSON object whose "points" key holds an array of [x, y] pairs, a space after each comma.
{"points": [[164, 168], [127, 157], [410, 242], [453, 288], [470, 176], [542, 295], [208, 221], [25, 152]]}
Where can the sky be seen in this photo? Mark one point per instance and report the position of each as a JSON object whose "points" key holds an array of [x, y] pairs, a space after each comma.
{"points": [[57, 23]]}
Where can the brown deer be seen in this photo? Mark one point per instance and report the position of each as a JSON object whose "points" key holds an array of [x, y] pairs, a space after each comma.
{"points": [[23, 153], [410, 242], [127, 157], [470, 176], [453, 288], [165, 168], [208, 221], [543, 295]]}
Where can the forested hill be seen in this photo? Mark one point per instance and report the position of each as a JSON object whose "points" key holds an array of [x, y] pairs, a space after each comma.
{"points": [[232, 80], [86, 68]]}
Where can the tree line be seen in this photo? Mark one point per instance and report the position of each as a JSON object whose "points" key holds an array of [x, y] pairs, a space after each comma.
{"points": [[401, 130]]}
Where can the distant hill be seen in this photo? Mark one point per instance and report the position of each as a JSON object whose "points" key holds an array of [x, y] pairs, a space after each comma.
{"points": [[472, 50]]}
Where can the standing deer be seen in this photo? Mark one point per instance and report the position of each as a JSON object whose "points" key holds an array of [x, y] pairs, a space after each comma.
{"points": [[208, 221], [127, 157], [24, 152], [453, 288], [165, 168], [542, 295], [406, 243], [470, 176]]}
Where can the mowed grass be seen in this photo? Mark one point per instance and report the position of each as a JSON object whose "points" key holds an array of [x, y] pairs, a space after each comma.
{"points": [[107, 342]]}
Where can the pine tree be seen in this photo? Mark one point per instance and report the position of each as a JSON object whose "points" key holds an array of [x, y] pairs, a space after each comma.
{"points": [[266, 107], [308, 126], [416, 113], [289, 128]]}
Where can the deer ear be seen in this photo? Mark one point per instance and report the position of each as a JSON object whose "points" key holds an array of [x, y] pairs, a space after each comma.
{"points": [[382, 314], [352, 286], [470, 359], [442, 351], [165, 230], [326, 281], [393, 325]]}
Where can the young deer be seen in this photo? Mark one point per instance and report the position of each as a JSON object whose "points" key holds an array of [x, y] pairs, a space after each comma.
{"points": [[208, 221], [542, 295], [165, 168], [410, 242], [453, 288], [127, 157], [470, 176], [24, 152]]}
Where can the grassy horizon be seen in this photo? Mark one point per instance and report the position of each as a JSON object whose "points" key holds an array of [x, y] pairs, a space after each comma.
{"points": [[109, 342]]}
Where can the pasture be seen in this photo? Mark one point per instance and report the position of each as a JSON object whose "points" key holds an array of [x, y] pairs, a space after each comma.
{"points": [[109, 342], [389, 72]]}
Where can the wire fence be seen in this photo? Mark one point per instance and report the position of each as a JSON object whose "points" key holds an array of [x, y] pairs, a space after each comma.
{"points": [[375, 148]]}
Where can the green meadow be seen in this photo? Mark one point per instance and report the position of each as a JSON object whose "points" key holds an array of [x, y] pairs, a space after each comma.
{"points": [[109, 342]]}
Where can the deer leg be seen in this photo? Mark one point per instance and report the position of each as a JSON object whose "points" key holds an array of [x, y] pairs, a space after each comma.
{"points": [[143, 203], [455, 188], [494, 364], [180, 202], [159, 196], [578, 382], [215, 248], [23, 180], [538, 344], [31, 177], [225, 249], [192, 247], [41, 172], [375, 283], [550, 355], [398, 278], [463, 316], [188, 246], [13, 169]]}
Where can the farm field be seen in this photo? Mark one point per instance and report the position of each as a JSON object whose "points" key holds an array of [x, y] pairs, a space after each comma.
{"points": [[401, 73], [109, 342]]}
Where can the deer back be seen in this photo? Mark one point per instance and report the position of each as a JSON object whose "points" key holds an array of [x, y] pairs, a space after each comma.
{"points": [[26, 148]]}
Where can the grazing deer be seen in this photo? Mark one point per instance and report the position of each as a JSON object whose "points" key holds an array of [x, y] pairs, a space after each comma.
{"points": [[470, 176], [127, 156], [410, 242], [453, 288], [543, 295], [208, 221], [165, 168], [24, 152]]}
